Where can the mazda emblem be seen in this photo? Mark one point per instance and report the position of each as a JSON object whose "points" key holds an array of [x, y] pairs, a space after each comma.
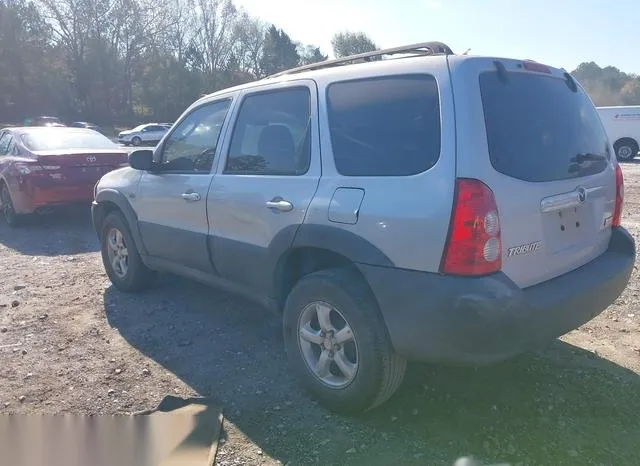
{"points": [[582, 195], [91, 159]]}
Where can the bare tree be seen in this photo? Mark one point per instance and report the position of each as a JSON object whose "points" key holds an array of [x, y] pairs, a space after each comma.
{"points": [[250, 35], [214, 37]]}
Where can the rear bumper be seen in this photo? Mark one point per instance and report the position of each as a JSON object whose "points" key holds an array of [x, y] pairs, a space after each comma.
{"points": [[487, 319], [35, 198]]}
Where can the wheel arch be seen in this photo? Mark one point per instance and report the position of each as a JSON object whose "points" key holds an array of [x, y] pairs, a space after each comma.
{"points": [[110, 200], [321, 247]]}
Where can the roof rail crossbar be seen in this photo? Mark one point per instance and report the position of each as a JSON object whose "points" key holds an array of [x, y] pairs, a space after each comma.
{"points": [[422, 48]]}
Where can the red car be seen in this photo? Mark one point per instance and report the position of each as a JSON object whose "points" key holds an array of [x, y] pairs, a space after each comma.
{"points": [[42, 168]]}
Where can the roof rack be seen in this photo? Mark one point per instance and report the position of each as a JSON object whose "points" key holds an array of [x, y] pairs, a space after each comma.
{"points": [[422, 48]]}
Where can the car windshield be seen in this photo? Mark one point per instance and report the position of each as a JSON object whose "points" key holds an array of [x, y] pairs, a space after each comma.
{"points": [[63, 140]]}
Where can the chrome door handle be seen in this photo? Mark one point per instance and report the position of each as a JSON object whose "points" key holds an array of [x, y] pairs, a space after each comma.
{"points": [[191, 197], [279, 204]]}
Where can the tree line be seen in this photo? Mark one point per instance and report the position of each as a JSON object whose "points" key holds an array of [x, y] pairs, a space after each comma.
{"points": [[110, 61], [608, 85], [126, 61]]}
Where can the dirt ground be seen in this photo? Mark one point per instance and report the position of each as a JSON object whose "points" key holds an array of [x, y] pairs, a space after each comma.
{"points": [[71, 343]]}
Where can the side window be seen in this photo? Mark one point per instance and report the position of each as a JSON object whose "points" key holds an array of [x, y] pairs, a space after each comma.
{"points": [[388, 126], [192, 145], [272, 134], [5, 141]]}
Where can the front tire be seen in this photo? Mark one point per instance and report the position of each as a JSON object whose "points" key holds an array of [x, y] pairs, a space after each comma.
{"points": [[337, 343], [120, 255], [626, 149], [136, 141]]}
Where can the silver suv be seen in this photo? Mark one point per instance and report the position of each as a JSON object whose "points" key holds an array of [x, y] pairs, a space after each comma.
{"points": [[428, 207]]}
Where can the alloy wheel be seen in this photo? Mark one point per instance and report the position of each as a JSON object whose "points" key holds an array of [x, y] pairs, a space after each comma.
{"points": [[117, 252], [328, 344]]}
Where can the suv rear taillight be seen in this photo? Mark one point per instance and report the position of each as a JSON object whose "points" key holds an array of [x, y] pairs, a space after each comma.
{"points": [[474, 246], [617, 213]]}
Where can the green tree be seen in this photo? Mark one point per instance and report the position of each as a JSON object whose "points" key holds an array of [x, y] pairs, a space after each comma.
{"points": [[351, 43], [608, 85], [310, 54], [630, 93], [26, 61], [279, 53]]}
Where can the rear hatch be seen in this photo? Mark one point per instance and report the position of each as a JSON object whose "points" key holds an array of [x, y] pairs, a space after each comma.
{"points": [[534, 137], [80, 167]]}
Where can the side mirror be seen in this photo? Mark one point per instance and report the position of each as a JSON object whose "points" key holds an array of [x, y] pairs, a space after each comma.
{"points": [[141, 159]]}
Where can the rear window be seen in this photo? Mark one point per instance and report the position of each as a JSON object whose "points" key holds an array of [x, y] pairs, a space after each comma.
{"points": [[388, 126], [539, 130], [64, 140]]}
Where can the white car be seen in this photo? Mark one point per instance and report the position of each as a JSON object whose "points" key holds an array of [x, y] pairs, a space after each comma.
{"points": [[149, 133]]}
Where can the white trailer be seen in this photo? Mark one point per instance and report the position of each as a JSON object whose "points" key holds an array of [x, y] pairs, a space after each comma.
{"points": [[622, 125]]}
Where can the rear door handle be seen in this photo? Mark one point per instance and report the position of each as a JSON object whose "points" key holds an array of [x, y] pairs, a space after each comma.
{"points": [[191, 197], [279, 204]]}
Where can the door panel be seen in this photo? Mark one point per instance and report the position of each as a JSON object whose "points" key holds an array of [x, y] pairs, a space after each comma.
{"points": [[171, 201], [265, 184], [173, 228]]}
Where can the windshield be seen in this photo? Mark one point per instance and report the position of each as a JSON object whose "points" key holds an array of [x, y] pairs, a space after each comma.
{"points": [[63, 140], [538, 129]]}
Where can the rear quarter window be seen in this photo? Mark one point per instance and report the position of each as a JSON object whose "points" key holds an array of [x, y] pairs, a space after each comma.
{"points": [[537, 127], [385, 126]]}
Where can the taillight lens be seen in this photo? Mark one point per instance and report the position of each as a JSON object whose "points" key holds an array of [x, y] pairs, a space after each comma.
{"points": [[28, 168], [25, 168], [474, 246], [617, 213]]}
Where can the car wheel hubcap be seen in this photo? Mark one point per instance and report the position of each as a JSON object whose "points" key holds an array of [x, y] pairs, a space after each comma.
{"points": [[625, 152], [328, 344], [117, 252]]}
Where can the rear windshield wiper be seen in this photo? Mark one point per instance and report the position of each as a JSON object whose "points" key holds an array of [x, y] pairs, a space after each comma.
{"points": [[588, 157]]}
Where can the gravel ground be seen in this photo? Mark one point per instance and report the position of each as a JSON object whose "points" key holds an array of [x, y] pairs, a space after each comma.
{"points": [[71, 343]]}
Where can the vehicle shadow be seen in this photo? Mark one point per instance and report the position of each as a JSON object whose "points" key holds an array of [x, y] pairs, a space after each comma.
{"points": [[67, 232], [562, 406]]}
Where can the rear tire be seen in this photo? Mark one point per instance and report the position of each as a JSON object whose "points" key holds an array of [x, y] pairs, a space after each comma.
{"points": [[120, 256], [7, 209], [354, 380], [626, 149]]}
